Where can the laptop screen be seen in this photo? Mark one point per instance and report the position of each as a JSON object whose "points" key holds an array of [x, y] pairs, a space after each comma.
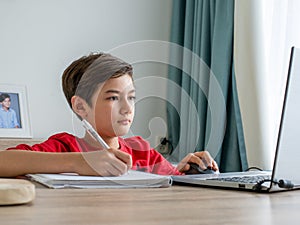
{"points": [[287, 161]]}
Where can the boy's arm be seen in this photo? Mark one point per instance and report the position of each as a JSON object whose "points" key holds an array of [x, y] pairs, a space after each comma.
{"points": [[104, 163], [15, 162]]}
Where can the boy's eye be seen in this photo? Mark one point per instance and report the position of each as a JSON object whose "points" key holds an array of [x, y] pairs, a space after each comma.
{"points": [[113, 98], [132, 98]]}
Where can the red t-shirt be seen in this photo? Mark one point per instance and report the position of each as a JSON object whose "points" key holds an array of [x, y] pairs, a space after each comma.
{"points": [[144, 158]]}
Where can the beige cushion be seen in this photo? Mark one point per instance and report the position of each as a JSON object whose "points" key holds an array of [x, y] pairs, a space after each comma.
{"points": [[16, 191]]}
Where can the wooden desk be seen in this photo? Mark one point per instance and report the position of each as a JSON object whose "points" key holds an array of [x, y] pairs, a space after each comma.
{"points": [[175, 205]]}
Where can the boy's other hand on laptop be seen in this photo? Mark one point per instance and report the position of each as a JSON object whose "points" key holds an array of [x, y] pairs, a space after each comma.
{"points": [[203, 159]]}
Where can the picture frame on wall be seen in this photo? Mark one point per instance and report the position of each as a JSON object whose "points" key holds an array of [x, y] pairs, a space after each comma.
{"points": [[14, 115]]}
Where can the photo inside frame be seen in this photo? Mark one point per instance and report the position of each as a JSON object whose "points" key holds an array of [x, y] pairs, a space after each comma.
{"points": [[14, 109], [14, 114]]}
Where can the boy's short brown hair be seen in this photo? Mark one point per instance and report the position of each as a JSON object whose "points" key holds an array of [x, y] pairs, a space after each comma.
{"points": [[84, 75], [4, 96]]}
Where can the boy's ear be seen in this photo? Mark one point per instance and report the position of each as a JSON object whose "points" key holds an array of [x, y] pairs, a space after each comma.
{"points": [[80, 106]]}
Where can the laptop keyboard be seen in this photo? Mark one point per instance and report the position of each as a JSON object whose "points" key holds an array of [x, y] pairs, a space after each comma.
{"points": [[243, 179]]}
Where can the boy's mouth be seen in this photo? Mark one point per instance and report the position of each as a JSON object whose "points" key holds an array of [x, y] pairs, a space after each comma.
{"points": [[124, 122]]}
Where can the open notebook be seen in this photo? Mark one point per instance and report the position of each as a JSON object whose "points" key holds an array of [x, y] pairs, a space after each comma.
{"points": [[133, 179], [285, 173]]}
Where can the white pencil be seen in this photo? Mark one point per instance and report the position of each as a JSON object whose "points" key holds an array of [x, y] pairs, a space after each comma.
{"points": [[94, 133]]}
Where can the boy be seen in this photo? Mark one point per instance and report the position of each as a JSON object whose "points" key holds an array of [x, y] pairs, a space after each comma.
{"points": [[8, 117], [98, 88]]}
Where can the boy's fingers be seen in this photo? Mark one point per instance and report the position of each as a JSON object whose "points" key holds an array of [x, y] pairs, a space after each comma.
{"points": [[123, 156], [206, 159], [183, 164], [117, 168], [215, 166]]}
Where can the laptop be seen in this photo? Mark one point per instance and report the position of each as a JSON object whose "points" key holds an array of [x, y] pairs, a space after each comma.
{"points": [[285, 173]]}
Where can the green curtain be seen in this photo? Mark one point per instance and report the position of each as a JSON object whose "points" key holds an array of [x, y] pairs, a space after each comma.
{"points": [[202, 68]]}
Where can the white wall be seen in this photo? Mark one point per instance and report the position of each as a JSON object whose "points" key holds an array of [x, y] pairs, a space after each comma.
{"points": [[40, 38], [265, 31]]}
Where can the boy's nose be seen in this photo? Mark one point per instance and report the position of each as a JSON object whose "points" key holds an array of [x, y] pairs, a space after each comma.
{"points": [[126, 107]]}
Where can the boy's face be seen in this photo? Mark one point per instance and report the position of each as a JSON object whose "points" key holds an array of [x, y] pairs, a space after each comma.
{"points": [[113, 106], [6, 103]]}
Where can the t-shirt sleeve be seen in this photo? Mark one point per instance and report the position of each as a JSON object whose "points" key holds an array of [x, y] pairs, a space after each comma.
{"points": [[15, 120], [148, 159], [62, 142], [161, 165]]}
